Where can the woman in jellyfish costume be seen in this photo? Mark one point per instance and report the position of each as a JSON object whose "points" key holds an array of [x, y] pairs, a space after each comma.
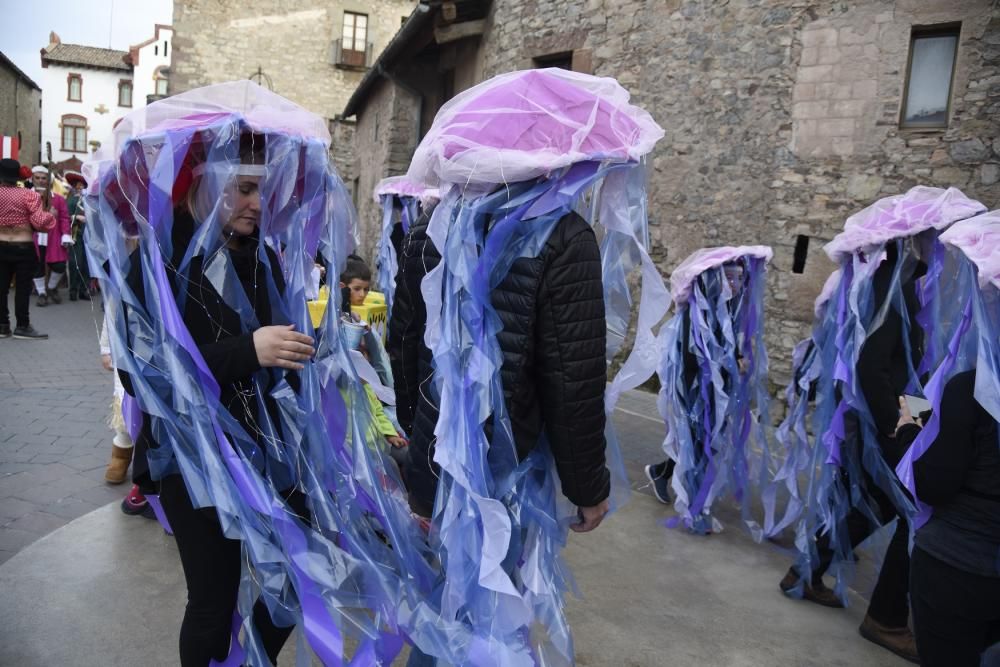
{"points": [[229, 192], [952, 468], [713, 375], [402, 201], [881, 322], [512, 157]]}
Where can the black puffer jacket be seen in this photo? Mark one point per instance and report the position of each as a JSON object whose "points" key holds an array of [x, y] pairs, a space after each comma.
{"points": [[553, 342]]}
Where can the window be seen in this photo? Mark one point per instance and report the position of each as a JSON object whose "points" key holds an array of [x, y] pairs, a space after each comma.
{"points": [[161, 81], [354, 40], [164, 48], [156, 49], [927, 96], [74, 91], [124, 93], [74, 133], [561, 60]]}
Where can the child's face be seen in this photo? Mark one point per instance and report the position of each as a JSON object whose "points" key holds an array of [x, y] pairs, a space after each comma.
{"points": [[359, 290]]}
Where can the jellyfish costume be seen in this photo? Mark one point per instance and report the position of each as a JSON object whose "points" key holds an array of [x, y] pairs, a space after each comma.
{"points": [[410, 199], [358, 565], [511, 157], [974, 343], [713, 375], [835, 469]]}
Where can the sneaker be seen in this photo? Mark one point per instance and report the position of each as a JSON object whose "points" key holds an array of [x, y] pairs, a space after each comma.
{"points": [[817, 592], [29, 333], [898, 640], [43, 300], [135, 504], [4, 331], [54, 296], [659, 481]]}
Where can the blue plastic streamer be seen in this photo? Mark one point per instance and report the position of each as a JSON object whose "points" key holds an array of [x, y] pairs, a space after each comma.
{"points": [[716, 424]]}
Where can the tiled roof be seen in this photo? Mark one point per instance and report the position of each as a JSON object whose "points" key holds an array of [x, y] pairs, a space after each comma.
{"points": [[91, 56]]}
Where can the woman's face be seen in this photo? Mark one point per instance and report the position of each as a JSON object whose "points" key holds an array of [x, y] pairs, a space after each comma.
{"points": [[246, 206]]}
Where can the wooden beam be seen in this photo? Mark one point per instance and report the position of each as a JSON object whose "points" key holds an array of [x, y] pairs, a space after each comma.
{"points": [[457, 31]]}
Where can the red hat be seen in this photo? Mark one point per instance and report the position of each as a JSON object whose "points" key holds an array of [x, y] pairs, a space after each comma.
{"points": [[74, 177], [25, 172]]}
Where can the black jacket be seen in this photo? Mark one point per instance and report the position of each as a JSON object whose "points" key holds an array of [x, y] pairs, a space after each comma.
{"points": [[882, 368], [216, 329], [959, 476], [553, 341]]}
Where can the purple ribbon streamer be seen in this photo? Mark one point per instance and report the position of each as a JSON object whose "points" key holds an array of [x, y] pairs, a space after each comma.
{"points": [[934, 392]]}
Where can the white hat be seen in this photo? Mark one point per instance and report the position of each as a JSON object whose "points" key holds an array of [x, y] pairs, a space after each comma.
{"points": [[39, 169]]}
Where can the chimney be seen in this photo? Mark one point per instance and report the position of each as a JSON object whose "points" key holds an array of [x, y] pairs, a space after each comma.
{"points": [[54, 39]]}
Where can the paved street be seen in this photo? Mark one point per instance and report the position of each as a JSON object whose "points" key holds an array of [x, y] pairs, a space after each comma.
{"points": [[54, 440], [54, 443]]}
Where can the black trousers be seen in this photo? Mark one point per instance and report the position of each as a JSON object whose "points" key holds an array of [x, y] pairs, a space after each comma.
{"points": [[212, 565], [17, 260], [956, 614], [889, 603]]}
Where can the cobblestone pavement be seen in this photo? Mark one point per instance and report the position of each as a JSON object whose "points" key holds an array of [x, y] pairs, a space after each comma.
{"points": [[54, 439]]}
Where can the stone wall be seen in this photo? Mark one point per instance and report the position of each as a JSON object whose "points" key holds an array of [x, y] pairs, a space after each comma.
{"points": [[20, 112], [291, 42], [781, 117], [384, 140]]}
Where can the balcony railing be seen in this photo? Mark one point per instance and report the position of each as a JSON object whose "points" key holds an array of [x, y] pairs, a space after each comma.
{"points": [[351, 58]]}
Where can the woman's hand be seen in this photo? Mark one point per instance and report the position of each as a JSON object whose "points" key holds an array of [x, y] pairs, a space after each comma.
{"points": [[281, 347], [106, 362], [905, 416]]}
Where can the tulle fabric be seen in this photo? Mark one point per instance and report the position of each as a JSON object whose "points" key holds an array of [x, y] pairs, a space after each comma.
{"points": [[361, 566], [716, 413], [512, 156], [828, 441]]}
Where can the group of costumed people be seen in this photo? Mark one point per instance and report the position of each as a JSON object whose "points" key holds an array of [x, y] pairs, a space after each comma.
{"points": [[902, 324], [42, 235], [508, 259], [253, 429]]}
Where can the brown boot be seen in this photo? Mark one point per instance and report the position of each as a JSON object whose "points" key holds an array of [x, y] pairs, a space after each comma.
{"points": [[117, 469], [898, 640], [816, 592]]}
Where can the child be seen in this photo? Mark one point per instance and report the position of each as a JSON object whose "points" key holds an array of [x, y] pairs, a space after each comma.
{"points": [[356, 279]]}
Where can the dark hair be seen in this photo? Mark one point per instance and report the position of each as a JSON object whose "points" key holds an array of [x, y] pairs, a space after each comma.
{"points": [[252, 148], [356, 268]]}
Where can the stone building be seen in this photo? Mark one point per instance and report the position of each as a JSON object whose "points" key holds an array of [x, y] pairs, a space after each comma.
{"points": [[782, 117], [312, 52], [88, 89], [20, 111]]}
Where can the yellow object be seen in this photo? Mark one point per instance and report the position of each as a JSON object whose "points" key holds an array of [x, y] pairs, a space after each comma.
{"points": [[373, 311]]}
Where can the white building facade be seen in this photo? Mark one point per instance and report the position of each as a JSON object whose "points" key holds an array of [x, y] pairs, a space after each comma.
{"points": [[86, 90]]}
